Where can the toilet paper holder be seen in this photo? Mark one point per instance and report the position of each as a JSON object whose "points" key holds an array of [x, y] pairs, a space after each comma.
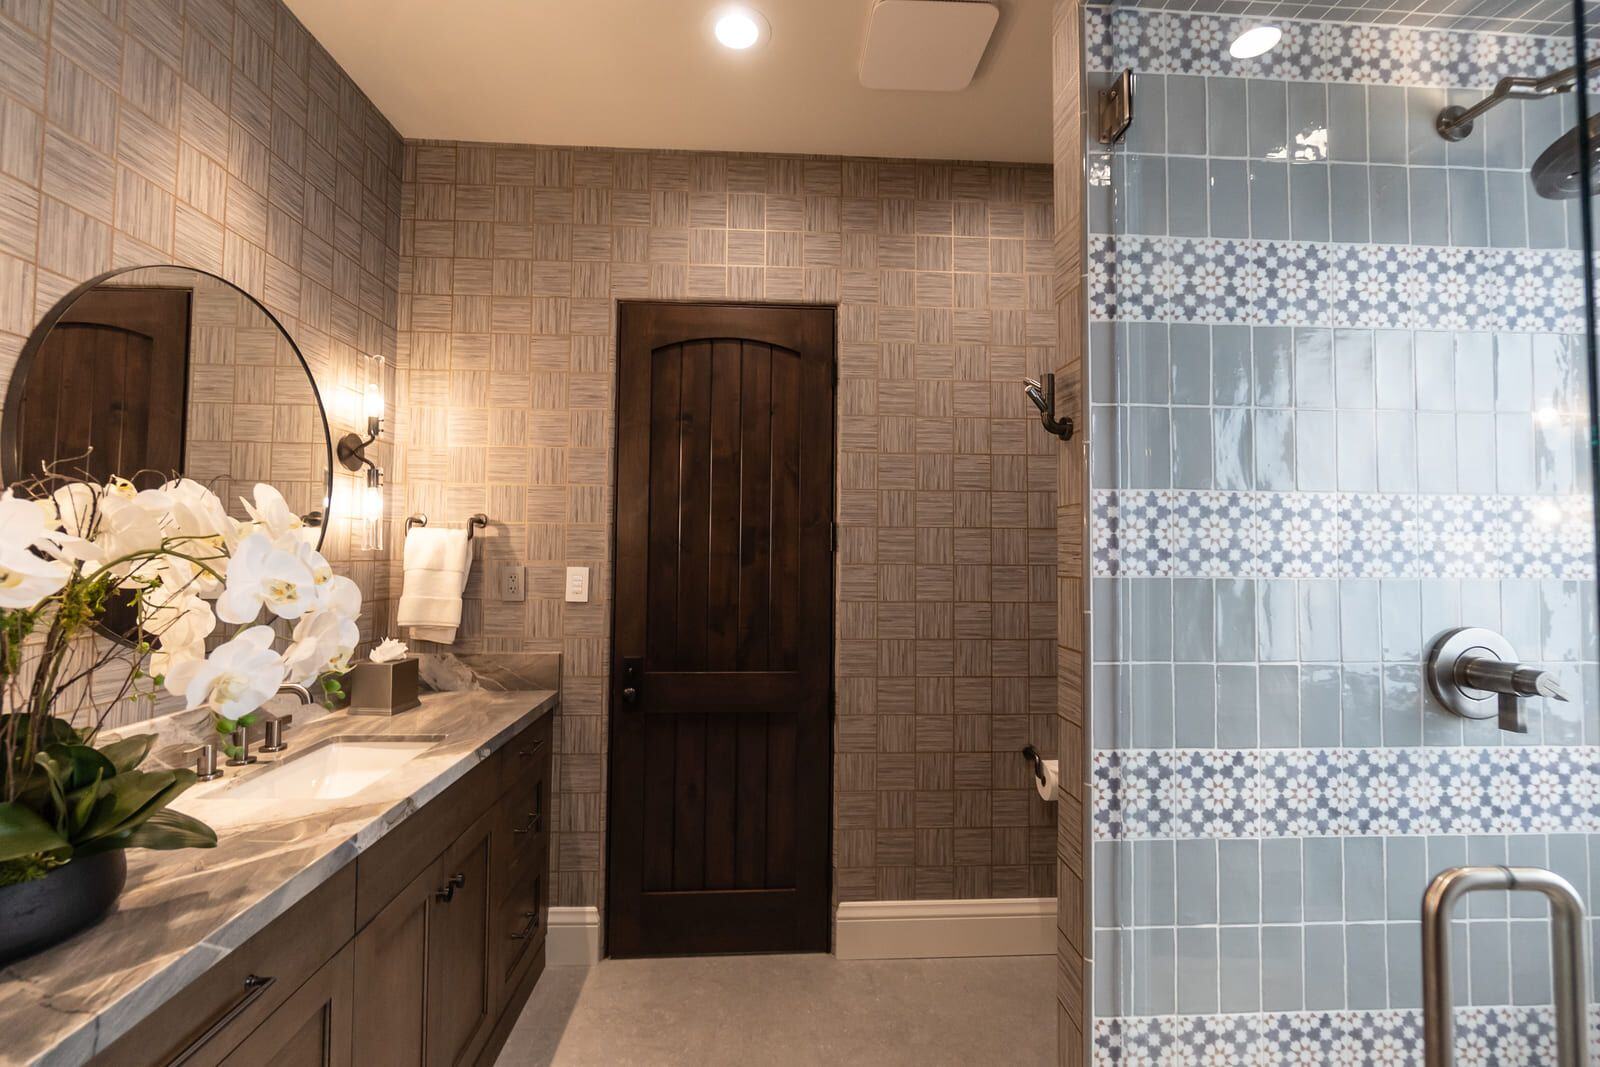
{"points": [[1038, 764]]}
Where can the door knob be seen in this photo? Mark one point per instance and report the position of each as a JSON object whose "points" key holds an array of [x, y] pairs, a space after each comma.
{"points": [[1469, 666], [632, 676]]}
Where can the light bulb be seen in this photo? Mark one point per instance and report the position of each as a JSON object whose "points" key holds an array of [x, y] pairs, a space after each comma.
{"points": [[739, 29], [374, 401], [1256, 41]]}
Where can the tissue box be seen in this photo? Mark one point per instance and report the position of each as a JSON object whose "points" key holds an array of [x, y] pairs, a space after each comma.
{"points": [[382, 688]]}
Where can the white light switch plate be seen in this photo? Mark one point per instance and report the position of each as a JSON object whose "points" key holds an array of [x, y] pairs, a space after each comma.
{"points": [[511, 580], [577, 585]]}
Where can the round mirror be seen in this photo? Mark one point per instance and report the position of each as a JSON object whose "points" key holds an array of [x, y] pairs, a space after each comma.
{"points": [[152, 372]]}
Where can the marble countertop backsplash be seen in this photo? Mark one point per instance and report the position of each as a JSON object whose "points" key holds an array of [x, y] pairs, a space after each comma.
{"points": [[183, 911]]}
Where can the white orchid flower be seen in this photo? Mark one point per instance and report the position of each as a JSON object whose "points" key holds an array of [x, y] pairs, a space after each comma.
{"points": [[176, 617], [335, 592], [236, 679], [198, 515], [263, 574], [323, 642], [27, 578], [271, 512]]}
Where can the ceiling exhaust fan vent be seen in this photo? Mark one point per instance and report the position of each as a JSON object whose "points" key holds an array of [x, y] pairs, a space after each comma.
{"points": [[926, 45]]}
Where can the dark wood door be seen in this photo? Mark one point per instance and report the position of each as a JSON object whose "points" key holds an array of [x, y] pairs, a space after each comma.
{"points": [[723, 633], [112, 375]]}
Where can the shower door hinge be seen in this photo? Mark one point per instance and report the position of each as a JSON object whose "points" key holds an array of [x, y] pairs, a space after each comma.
{"points": [[1116, 108]]}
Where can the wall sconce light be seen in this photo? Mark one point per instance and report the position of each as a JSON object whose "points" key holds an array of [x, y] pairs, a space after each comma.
{"points": [[352, 446], [352, 450]]}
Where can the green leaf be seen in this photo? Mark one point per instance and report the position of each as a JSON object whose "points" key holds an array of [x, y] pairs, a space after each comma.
{"points": [[127, 754], [168, 829], [23, 833], [75, 766], [129, 799], [80, 804]]}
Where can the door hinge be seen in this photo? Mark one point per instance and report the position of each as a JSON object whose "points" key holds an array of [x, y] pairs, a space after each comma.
{"points": [[1116, 108]]}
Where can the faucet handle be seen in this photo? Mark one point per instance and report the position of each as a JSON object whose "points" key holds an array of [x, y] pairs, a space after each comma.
{"points": [[275, 729], [205, 762]]}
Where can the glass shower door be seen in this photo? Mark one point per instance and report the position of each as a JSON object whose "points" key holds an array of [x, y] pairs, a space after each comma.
{"points": [[1340, 395]]}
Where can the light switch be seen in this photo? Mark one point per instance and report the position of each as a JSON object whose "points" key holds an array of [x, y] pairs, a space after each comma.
{"points": [[511, 581], [577, 585]]}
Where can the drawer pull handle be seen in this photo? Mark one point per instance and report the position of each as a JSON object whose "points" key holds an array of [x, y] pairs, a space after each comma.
{"points": [[448, 891], [528, 753], [527, 931], [532, 826], [254, 986]]}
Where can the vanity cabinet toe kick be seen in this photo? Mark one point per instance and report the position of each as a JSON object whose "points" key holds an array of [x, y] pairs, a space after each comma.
{"points": [[421, 952]]}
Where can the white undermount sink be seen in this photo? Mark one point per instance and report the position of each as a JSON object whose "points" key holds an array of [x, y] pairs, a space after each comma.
{"points": [[335, 769]]}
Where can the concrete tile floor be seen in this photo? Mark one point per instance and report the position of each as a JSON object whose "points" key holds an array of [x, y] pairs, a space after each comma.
{"points": [[767, 1011]]}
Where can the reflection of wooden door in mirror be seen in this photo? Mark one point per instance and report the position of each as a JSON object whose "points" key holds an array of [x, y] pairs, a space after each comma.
{"points": [[114, 373]]}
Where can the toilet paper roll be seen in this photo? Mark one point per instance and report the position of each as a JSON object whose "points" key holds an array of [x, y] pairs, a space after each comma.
{"points": [[1052, 779]]}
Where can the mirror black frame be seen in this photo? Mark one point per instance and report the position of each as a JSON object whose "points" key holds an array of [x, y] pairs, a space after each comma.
{"points": [[10, 446]]}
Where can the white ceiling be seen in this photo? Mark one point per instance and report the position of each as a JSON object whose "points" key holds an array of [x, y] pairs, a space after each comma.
{"points": [[648, 74]]}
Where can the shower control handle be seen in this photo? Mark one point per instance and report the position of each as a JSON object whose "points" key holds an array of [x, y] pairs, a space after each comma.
{"points": [[1468, 666]]}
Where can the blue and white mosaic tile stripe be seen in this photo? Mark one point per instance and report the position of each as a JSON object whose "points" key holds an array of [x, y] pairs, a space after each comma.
{"points": [[1485, 1037], [1191, 533], [1190, 794], [1290, 283], [1169, 42]]}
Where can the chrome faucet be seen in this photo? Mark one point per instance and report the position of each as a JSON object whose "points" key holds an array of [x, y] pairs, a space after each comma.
{"points": [[275, 726], [1468, 666]]}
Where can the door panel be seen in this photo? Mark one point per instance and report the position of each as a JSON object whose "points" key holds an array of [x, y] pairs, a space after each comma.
{"points": [[113, 372], [723, 629]]}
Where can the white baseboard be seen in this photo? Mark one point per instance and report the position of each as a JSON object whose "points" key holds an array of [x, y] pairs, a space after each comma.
{"points": [[921, 929], [573, 937]]}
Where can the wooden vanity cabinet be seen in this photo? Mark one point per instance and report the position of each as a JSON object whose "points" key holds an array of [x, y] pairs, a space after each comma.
{"points": [[420, 953]]}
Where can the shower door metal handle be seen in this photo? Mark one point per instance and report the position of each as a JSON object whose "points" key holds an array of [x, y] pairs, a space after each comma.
{"points": [[1568, 957]]}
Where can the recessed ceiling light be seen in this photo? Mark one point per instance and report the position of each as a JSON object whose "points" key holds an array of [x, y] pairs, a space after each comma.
{"points": [[740, 28], [1256, 41]]}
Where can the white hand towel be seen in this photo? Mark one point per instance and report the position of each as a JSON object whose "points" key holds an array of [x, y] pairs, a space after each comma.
{"points": [[437, 562]]}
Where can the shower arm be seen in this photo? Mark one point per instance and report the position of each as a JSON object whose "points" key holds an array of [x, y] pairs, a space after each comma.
{"points": [[1455, 122]]}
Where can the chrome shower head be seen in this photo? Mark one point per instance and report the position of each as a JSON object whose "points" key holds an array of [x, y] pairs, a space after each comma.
{"points": [[1558, 172], [1035, 393]]}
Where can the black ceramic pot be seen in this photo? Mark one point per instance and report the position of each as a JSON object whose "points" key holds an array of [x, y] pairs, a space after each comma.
{"points": [[35, 915]]}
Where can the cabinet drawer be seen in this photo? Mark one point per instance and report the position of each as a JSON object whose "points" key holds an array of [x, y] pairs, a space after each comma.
{"points": [[518, 928], [522, 828], [525, 752], [206, 1021]]}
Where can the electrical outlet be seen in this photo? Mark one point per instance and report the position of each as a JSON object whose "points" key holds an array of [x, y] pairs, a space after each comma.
{"points": [[577, 585], [511, 581]]}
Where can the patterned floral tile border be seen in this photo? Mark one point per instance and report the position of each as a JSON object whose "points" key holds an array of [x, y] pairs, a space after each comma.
{"points": [[1216, 534], [1501, 1036], [1169, 42], [1290, 283], [1187, 794]]}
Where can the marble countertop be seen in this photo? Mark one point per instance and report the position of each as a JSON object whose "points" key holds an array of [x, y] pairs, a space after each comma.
{"points": [[182, 911]]}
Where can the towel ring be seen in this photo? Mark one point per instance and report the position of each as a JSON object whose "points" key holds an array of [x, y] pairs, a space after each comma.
{"points": [[476, 522]]}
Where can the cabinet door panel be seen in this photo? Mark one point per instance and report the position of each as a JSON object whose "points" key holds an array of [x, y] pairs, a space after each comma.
{"points": [[459, 1008], [391, 967], [310, 1029]]}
